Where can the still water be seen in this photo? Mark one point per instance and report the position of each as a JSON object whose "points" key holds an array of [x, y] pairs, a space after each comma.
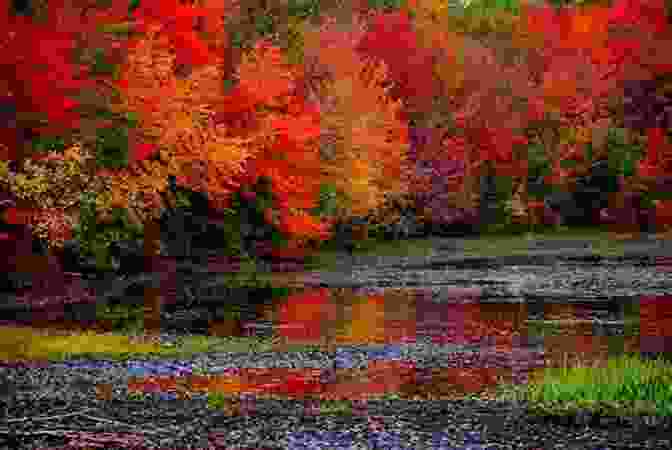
{"points": [[500, 316]]}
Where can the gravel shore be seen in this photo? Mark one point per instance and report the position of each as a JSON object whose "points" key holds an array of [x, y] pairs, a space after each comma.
{"points": [[57, 389]]}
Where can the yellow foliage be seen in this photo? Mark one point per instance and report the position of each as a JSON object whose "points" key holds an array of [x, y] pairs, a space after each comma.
{"points": [[30, 343], [52, 185]]}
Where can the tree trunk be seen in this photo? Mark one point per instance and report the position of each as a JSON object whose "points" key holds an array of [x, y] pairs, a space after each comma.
{"points": [[153, 298]]}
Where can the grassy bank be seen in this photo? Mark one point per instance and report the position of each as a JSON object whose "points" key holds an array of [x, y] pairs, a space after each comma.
{"points": [[624, 386], [31, 344], [496, 243], [620, 386]]}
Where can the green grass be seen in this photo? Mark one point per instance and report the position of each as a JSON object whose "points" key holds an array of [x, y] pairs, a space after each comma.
{"points": [[498, 242], [625, 386], [327, 257], [195, 344]]}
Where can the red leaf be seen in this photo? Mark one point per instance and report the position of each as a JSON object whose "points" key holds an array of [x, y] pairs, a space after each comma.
{"points": [[656, 141], [179, 21], [143, 151], [16, 216], [41, 87], [190, 50]]}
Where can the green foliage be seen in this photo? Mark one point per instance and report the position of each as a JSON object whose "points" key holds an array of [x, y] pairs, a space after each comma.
{"points": [[338, 407], [538, 166], [279, 292], [278, 239], [122, 317], [386, 4], [217, 400], [44, 144], [229, 83], [265, 25], [112, 147], [502, 193], [263, 201], [183, 199], [100, 65], [131, 118], [486, 7], [622, 155], [250, 214], [133, 5], [303, 8], [232, 230], [327, 203], [627, 385], [128, 119], [236, 38], [94, 238]]}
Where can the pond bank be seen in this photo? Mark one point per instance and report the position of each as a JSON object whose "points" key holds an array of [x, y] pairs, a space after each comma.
{"points": [[503, 250]]}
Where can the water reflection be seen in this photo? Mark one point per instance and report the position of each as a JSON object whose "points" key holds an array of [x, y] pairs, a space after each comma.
{"points": [[385, 320], [350, 317], [343, 319]]}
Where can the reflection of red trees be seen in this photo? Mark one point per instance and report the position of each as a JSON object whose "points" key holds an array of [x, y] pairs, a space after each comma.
{"points": [[379, 378], [663, 215], [302, 317], [379, 318], [468, 322], [655, 316]]}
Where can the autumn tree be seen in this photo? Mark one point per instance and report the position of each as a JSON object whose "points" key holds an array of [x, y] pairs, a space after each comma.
{"points": [[368, 141]]}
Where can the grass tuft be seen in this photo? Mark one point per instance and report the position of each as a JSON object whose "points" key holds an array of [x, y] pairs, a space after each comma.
{"points": [[627, 385]]}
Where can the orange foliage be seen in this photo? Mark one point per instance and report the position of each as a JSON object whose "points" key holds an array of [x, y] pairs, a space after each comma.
{"points": [[370, 141], [175, 113]]}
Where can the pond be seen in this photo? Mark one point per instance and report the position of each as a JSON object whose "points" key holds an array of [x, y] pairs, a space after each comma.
{"points": [[440, 321], [445, 296]]}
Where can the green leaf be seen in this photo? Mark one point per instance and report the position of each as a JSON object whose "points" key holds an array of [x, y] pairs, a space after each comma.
{"points": [[265, 25], [386, 4], [48, 143], [568, 163], [536, 155], [303, 8], [236, 38], [100, 65], [112, 147], [278, 238], [132, 119]]}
